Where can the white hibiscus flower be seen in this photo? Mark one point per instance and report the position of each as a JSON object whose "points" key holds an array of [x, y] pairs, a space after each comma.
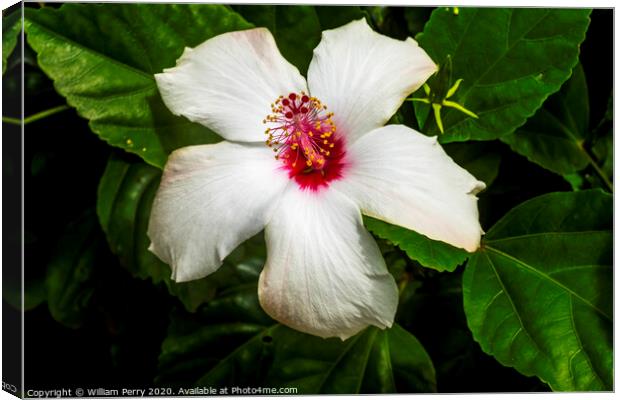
{"points": [[304, 161]]}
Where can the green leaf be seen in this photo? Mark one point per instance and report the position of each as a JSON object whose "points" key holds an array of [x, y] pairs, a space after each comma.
{"points": [[11, 28], [430, 253], [553, 138], [374, 361], [126, 192], [296, 29], [510, 60], [102, 58], [70, 274], [538, 295]]}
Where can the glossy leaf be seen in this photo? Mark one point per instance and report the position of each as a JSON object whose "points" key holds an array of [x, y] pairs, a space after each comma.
{"points": [[538, 296], [125, 195], [510, 60], [430, 253], [69, 281], [102, 58], [11, 28], [553, 138]]}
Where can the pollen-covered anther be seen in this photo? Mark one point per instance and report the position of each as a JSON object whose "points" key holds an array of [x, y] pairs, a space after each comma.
{"points": [[298, 130]]}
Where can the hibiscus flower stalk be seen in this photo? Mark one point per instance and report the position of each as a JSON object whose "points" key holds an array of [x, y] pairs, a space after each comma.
{"points": [[303, 160]]}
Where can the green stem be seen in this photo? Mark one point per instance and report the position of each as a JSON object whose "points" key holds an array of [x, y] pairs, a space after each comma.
{"points": [[599, 171], [35, 117]]}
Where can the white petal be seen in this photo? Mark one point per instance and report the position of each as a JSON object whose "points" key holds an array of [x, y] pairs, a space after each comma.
{"points": [[212, 198], [405, 178], [363, 77], [324, 273], [228, 83]]}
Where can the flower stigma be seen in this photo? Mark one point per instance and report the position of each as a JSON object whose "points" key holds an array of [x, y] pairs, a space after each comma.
{"points": [[303, 136]]}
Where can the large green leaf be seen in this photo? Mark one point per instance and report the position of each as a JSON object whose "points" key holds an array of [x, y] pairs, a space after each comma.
{"points": [[510, 60], [430, 253], [11, 27], [538, 295], [553, 138], [231, 342], [102, 58], [125, 195]]}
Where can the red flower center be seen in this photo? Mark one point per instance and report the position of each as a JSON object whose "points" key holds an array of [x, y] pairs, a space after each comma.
{"points": [[304, 137]]}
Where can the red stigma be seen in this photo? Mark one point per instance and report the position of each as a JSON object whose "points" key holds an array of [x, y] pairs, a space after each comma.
{"points": [[304, 138]]}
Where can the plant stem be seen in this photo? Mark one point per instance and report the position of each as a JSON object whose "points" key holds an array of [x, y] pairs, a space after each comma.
{"points": [[35, 117]]}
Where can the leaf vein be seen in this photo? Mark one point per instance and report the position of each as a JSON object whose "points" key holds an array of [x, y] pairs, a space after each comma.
{"points": [[549, 278]]}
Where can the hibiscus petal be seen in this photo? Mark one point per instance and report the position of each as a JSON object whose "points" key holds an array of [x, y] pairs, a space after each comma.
{"points": [[228, 83], [324, 274], [405, 178], [363, 77], [212, 198]]}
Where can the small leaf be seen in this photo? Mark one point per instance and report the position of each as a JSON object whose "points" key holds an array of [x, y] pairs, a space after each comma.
{"points": [[510, 60], [538, 295], [430, 253], [103, 57], [11, 28], [553, 138]]}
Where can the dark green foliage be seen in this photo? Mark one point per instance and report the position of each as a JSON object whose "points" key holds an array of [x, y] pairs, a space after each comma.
{"points": [[538, 294]]}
